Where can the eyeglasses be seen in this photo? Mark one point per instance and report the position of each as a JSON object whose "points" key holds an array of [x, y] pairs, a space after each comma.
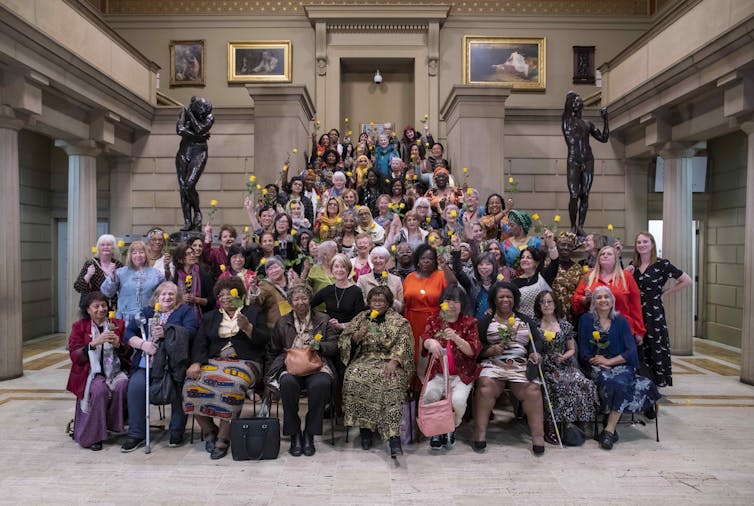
{"points": [[548, 302]]}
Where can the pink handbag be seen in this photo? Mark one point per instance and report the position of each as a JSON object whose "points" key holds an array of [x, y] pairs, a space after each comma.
{"points": [[437, 417]]}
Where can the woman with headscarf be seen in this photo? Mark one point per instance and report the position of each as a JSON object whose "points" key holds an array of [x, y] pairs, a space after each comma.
{"points": [[569, 273], [328, 223], [362, 166], [368, 226], [519, 224]]}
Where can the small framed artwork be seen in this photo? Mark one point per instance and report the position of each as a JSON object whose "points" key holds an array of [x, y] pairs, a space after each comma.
{"points": [[504, 61], [583, 64], [187, 63], [259, 62]]}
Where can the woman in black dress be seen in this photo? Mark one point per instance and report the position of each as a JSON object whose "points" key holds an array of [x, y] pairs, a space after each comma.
{"points": [[343, 299], [651, 274]]}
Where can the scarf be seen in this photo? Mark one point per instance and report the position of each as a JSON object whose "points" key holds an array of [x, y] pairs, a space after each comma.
{"points": [[102, 360], [192, 286]]}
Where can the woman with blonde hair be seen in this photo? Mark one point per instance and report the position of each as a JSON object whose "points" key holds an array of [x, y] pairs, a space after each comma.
{"points": [[608, 272], [343, 300], [651, 275]]}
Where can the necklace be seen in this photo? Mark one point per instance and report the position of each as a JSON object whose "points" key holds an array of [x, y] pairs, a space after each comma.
{"points": [[339, 298]]}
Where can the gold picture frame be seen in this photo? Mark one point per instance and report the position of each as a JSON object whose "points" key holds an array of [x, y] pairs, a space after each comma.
{"points": [[517, 62], [259, 62], [187, 62]]}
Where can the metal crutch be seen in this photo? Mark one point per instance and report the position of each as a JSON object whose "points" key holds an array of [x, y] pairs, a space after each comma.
{"points": [[142, 321], [547, 394]]}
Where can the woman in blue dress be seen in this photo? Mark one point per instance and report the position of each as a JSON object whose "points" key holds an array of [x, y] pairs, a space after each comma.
{"points": [[607, 347]]}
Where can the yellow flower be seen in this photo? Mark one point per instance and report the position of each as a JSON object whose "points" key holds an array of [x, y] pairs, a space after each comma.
{"points": [[426, 116], [450, 233], [293, 232], [324, 228], [222, 267], [350, 133], [393, 134], [263, 261], [259, 186], [500, 277], [349, 173], [426, 144], [157, 306], [345, 120], [444, 306], [585, 268], [384, 274], [419, 142], [165, 235], [318, 337], [285, 168], [535, 216], [453, 213], [428, 219], [338, 220], [522, 247], [432, 239], [469, 191], [94, 250], [252, 178], [318, 123], [189, 278], [111, 314], [121, 243], [264, 191], [371, 123], [234, 293], [374, 314], [295, 150], [556, 219], [416, 177], [549, 335], [465, 170], [246, 228], [510, 180], [511, 320], [393, 248], [213, 202], [277, 243], [596, 335], [610, 227]]}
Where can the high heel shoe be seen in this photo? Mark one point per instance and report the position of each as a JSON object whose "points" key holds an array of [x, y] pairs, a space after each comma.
{"points": [[480, 446], [537, 449]]}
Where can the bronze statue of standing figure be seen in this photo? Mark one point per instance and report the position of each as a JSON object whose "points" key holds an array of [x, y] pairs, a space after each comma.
{"points": [[580, 162], [193, 126]]}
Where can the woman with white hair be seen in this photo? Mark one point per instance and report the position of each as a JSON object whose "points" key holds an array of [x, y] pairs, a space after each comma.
{"points": [[338, 186], [379, 276], [607, 347], [97, 268], [423, 212]]}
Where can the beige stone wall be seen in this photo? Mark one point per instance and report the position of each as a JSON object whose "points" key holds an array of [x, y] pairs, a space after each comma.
{"points": [[725, 239], [37, 264]]}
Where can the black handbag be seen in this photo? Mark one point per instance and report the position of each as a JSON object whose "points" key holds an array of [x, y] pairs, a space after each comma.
{"points": [[255, 438], [573, 435]]}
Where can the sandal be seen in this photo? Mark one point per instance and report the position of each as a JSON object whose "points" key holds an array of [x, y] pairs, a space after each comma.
{"points": [[209, 440], [217, 452]]}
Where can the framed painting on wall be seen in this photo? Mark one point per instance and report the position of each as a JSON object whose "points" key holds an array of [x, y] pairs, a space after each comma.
{"points": [[505, 61], [187, 63], [259, 62]]}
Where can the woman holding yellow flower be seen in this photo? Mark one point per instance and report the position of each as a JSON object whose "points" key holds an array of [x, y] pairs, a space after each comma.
{"points": [[227, 359], [607, 346], [104, 261], [377, 349], [342, 299], [302, 328], [194, 284], [573, 395], [329, 222], [507, 350]]}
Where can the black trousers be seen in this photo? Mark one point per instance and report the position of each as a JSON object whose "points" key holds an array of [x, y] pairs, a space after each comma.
{"points": [[318, 387]]}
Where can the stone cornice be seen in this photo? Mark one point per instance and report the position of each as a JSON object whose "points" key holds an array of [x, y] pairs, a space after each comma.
{"points": [[378, 14]]}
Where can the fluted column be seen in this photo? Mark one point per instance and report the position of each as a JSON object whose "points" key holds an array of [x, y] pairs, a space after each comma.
{"points": [[636, 177], [121, 204], [11, 334], [82, 213], [677, 242], [747, 331]]}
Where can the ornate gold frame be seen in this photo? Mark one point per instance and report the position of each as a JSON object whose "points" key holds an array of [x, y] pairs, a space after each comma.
{"points": [[203, 75], [283, 76], [471, 41]]}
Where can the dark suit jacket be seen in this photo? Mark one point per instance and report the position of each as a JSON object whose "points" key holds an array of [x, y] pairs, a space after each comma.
{"points": [[207, 343]]}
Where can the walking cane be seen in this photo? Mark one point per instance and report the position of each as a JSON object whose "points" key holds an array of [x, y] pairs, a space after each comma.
{"points": [[142, 321], [547, 394]]}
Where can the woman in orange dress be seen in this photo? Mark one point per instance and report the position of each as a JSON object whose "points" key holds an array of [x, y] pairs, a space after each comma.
{"points": [[421, 293]]}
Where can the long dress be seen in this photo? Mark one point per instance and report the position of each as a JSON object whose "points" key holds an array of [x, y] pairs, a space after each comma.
{"points": [[421, 298], [371, 401], [656, 346], [573, 395]]}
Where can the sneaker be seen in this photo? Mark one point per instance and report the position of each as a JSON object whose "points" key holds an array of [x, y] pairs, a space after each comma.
{"points": [[450, 440], [132, 444], [435, 443], [176, 440]]}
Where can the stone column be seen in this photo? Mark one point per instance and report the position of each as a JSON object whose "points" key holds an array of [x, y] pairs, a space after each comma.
{"points": [[677, 241], [11, 332], [747, 331], [282, 113], [475, 116], [82, 213], [636, 173], [121, 208]]}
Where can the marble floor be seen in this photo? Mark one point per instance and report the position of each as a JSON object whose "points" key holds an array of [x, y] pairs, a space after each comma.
{"points": [[705, 455]]}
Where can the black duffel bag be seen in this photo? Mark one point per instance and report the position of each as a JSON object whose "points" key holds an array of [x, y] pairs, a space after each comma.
{"points": [[255, 438]]}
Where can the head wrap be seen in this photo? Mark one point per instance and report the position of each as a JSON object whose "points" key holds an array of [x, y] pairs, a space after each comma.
{"points": [[440, 170], [568, 237], [520, 218]]}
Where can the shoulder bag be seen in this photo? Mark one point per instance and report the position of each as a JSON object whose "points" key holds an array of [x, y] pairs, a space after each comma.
{"points": [[437, 417], [302, 361]]}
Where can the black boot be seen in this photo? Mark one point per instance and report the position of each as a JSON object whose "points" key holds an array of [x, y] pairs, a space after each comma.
{"points": [[296, 445], [309, 444], [366, 438], [395, 446]]}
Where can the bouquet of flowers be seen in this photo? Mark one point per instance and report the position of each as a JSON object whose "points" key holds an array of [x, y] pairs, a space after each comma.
{"points": [[507, 330]]}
